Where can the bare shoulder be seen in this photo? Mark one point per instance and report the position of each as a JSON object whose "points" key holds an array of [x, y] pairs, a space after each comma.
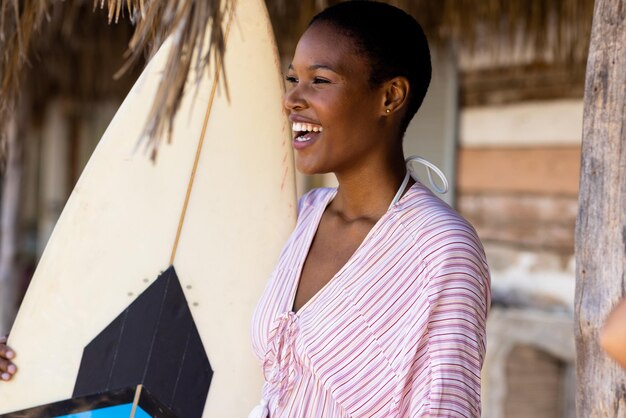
{"points": [[613, 333]]}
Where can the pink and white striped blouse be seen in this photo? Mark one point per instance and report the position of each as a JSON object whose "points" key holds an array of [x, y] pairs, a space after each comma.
{"points": [[399, 331]]}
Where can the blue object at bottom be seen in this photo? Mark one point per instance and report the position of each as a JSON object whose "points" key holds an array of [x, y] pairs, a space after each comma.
{"points": [[117, 411]]}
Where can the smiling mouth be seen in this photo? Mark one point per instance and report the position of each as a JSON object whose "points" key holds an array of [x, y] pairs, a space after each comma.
{"points": [[304, 132]]}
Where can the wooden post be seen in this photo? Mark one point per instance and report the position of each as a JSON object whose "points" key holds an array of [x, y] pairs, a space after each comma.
{"points": [[9, 224], [601, 224]]}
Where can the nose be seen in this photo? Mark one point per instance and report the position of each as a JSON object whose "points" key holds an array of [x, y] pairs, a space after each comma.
{"points": [[293, 99]]}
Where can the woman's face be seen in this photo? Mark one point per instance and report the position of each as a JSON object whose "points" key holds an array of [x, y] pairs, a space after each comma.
{"points": [[335, 113]]}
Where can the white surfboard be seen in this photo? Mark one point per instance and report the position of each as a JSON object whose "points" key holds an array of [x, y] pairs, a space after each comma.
{"points": [[217, 205]]}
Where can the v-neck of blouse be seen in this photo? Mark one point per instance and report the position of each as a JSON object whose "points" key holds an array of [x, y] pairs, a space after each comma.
{"points": [[310, 235]]}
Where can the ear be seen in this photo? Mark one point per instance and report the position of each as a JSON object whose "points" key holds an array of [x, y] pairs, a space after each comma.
{"points": [[396, 93]]}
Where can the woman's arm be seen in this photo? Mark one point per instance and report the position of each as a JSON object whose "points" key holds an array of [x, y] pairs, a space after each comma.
{"points": [[613, 334], [7, 368], [459, 298]]}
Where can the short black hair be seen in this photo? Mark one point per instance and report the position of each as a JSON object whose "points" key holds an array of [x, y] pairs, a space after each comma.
{"points": [[392, 41]]}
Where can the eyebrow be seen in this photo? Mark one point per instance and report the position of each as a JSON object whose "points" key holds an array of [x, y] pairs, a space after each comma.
{"points": [[316, 67]]}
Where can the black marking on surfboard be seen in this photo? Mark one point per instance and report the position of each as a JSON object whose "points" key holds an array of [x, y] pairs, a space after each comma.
{"points": [[153, 342], [91, 403]]}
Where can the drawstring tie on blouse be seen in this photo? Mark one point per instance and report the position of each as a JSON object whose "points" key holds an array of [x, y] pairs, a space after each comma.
{"points": [[282, 367]]}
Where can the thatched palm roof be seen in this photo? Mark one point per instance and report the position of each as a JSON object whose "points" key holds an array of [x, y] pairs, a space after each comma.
{"points": [[559, 27]]}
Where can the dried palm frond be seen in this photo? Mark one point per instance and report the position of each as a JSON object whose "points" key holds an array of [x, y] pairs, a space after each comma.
{"points": [[73, 59], [19, 21], [187, 22]]}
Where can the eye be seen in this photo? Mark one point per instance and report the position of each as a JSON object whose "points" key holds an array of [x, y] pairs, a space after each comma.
{"points": [[291, 79], [320, 80]]}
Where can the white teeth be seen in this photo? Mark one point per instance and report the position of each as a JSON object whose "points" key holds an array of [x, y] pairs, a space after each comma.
{"points": [[306, 127]]}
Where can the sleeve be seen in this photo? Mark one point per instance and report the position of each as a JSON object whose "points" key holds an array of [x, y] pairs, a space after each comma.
{"points": [[451, 356]]}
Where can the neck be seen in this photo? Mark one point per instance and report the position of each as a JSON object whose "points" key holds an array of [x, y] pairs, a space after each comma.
{"points": [[368, 192]]}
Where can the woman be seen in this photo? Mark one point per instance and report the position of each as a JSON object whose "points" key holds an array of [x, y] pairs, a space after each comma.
{"points": [[377, 306], [378, 303]]}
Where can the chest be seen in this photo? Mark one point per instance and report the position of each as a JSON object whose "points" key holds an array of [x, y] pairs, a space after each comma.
{"points": [[357, 333], [334, 243]]}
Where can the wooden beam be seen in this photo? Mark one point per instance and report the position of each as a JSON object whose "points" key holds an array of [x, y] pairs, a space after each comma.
{"points": [[601, 223], [553, 123], [521, 83], [535, 222], [537, 170]]}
